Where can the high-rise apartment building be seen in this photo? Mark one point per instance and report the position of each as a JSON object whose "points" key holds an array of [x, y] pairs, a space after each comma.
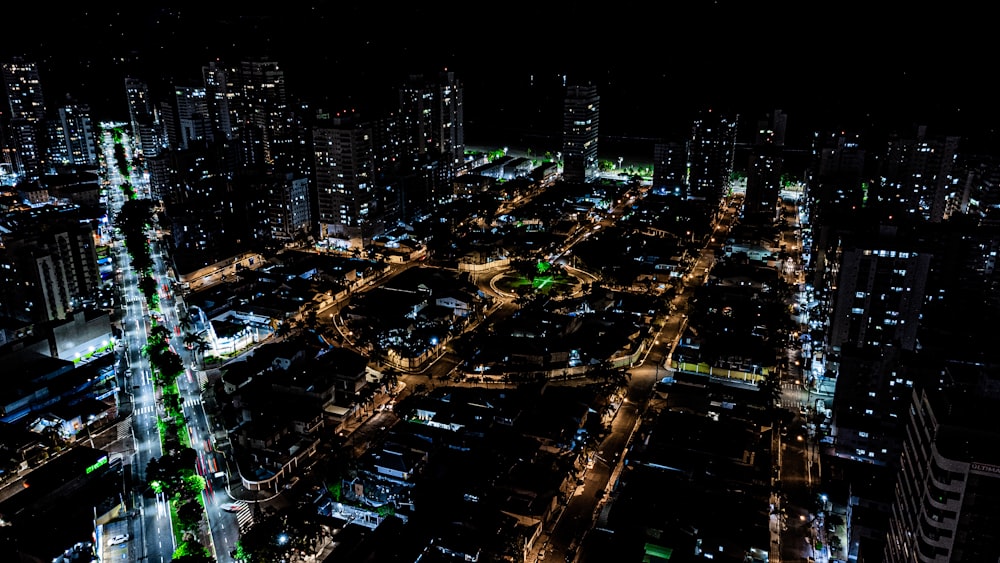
{"points": [[220, 98], [402, 191], [764, 170], [72, 136], [288, 207], [917, 174], [187, 121], [344, 177], [27, 114], [149, 139], [143, 119], [871, 404], [670, 167], [8, 154], [880, 290], [947, 506], [837, 195], [711, 152], [580, 133], [268, 129], [24, 90], [836, 174], [432, 120], [48, 264]]}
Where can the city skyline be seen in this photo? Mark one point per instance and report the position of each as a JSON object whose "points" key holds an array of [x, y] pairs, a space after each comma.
{"points": [[860, 72], [292, 290]]}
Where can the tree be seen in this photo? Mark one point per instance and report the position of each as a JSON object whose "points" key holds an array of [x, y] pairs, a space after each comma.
{"points": [[192, 557], [190, 513], [191, 551], [312, 321], [169, 365], [185, 319], [391, 379], [159, 334], [192, 338], [148, 286], [200, 347], [770, 388], [133, 220], [283, 329]]}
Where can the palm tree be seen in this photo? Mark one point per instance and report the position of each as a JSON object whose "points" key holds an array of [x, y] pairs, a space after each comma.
{"points": [[283, 329], [191, 338], [185, 319], [367, 398], [311, 320], [200, 347]]}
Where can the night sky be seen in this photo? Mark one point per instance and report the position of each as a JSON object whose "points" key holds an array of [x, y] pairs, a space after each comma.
{"points": [[848, 68]]}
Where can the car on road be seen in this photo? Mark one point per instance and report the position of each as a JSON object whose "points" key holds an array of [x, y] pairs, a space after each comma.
{"points": [[233, 507], [118, 539]]}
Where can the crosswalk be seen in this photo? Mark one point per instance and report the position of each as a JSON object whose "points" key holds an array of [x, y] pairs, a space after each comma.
{"points": [[151, 409], [124, 428], [244, 518], [793, 396]]}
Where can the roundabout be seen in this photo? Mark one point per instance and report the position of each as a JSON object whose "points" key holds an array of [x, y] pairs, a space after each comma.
{"points": [[543, 278]]}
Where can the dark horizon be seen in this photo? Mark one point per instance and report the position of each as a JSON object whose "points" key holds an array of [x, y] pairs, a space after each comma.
{"points": [[860, 75], [294, 314]]}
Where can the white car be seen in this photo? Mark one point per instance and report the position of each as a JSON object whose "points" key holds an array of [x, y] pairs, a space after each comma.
{"points": [[233, 507], [118, 540]]}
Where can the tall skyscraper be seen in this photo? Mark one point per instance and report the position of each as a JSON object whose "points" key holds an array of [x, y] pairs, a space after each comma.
{"points": [[711, 151], [836, 174], [344, 177], [27, 114], [143, 120], [288, 207], [764, 170], [670, 167], [917, 174], [387, 153], [24, 90], [581, 122], [947, 505], [881, 281], [432, 118], [220, 98], [268, 128], [190, 123], [72, 136], [48, 263], [871, 404]]}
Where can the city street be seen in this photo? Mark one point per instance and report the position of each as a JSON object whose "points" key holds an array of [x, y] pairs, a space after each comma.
{"points": [[150, 521], [151, 524]]}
